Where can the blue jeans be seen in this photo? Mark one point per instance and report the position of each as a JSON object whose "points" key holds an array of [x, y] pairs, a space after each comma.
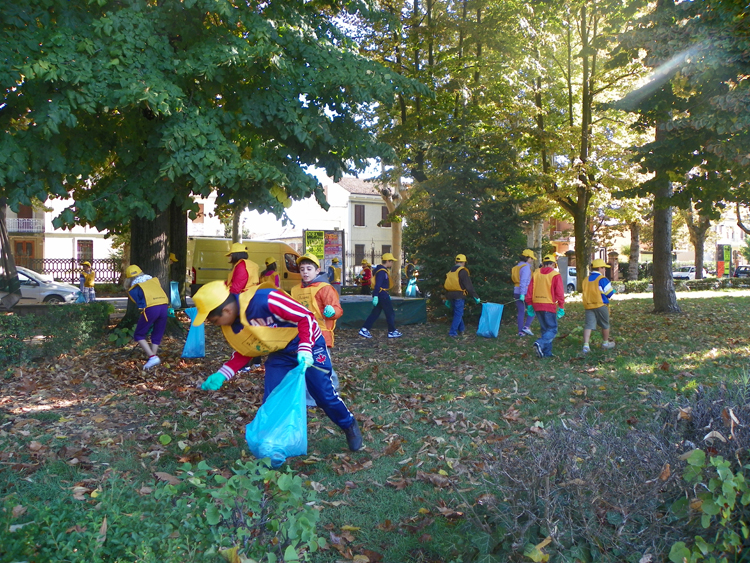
{"points": [[548, 324], [458, 317], [384, 305], [317, 378]]}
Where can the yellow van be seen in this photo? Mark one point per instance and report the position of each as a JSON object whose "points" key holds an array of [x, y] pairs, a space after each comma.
{"points": [[207, 260]]}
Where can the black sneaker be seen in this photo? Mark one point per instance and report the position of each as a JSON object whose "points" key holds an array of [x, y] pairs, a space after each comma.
{"points": [[538, 349], [353, 437]]}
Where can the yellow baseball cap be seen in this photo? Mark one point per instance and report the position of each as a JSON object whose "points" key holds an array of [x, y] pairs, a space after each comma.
{"points": [[599, 263], [308, 256], [236, 247], [207, 298]]}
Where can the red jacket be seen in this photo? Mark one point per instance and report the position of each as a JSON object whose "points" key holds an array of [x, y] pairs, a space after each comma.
{"points": [[558, 296]]}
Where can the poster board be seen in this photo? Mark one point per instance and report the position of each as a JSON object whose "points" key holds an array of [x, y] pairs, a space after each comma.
{"points": [[326, 245]]}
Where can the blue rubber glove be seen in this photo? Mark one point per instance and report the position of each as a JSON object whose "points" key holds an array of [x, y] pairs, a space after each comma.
{"points": [[477, 300], [522, 297], [214, 382], [375, 301], [614, 291], [329, 311], [560, 313], [530, 310], [448, 303], [304, 359]]}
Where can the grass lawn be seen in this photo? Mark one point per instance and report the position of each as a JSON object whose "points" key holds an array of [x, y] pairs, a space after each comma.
{"points": [[430, 409]]}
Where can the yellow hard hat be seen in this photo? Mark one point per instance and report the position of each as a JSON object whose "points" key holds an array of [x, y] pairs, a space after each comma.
{"points": [[270, 260], [85, 263], [308, 256], [207, 298], [365, 262], [132, 271], [460, 258], [335, 261], [599, 263], [528, 253], [550, 258], [236, 247], [172, 257], [387, 256]]}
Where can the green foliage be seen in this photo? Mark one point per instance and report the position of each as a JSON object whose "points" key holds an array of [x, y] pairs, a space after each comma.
{"points": [[262, 512], [191, 96], [55, 330], [722, 501], [122, 335]]}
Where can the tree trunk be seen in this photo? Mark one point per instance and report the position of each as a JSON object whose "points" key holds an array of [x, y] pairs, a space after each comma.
{"points": [[665, 299], [178, 246], [236, 226], [635, 250], [149, 251], [697, 231]]}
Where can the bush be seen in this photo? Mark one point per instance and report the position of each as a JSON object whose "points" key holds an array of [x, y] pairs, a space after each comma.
{"points": [[639, 286], [586, 491], [258, 512], [53, 331]]}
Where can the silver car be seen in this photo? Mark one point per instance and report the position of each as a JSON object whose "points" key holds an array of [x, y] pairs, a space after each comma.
{"points": [[39, 288]]}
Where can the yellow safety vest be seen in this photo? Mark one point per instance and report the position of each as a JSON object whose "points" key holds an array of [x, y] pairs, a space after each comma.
{"points": [[592, 293], [336, 274], [254, 341], [252, 274], [269, 279], [515, 274], [152, 293], [377, 269], [451, 280], [306, 297], [88, 279], [543, 286]]}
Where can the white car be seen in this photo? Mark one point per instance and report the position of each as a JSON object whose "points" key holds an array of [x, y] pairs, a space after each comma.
{"points": [[39, 288], [686, 273], [572, 283]]}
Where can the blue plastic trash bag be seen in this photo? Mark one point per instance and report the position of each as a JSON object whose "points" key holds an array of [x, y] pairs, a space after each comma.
{"points": [[174, 299], [489, 322], [195, 343], [279, 429], [80, 298]]}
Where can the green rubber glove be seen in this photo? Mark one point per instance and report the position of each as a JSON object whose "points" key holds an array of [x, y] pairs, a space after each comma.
{"points": [[530, 310], [614, 291], [329, 311], [304, 359], [522, 297], [214, 382], [477, 300], [375, 301], [560, 313], [448, 303]]}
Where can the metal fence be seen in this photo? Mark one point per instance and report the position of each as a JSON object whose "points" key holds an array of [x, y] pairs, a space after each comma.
{"points": [[69, 269]]}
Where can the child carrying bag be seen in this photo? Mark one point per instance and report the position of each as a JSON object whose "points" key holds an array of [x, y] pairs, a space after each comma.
{"points": [[279, 429], [489, 322], [195, 343]]}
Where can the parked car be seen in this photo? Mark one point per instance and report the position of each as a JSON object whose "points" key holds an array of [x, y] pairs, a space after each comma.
{"points": [[742, 272], [686, 273], [39, 288], [572, 284]]}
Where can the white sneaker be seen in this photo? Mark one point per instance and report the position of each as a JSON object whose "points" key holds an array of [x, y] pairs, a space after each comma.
{"points": [[527, 330], [152, 361], [608, 345], [395, 334], [586, 349], [365, 333]]}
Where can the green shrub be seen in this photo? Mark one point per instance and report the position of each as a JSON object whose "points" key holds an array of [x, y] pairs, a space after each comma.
{"points": [[51, 331], [639, 286], [721, 500], [257, 512]]}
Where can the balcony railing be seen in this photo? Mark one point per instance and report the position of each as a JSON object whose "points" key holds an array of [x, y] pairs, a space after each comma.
{"points": [[15, 225]]}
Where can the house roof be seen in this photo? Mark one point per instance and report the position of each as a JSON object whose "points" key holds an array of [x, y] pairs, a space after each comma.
{"points": [[357, 186]]}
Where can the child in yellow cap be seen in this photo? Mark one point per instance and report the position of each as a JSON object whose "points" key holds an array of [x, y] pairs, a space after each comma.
{"points": [[597, 291]]}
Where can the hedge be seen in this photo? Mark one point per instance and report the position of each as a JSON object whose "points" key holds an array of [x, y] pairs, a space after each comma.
{"points": [[50, 331]]}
